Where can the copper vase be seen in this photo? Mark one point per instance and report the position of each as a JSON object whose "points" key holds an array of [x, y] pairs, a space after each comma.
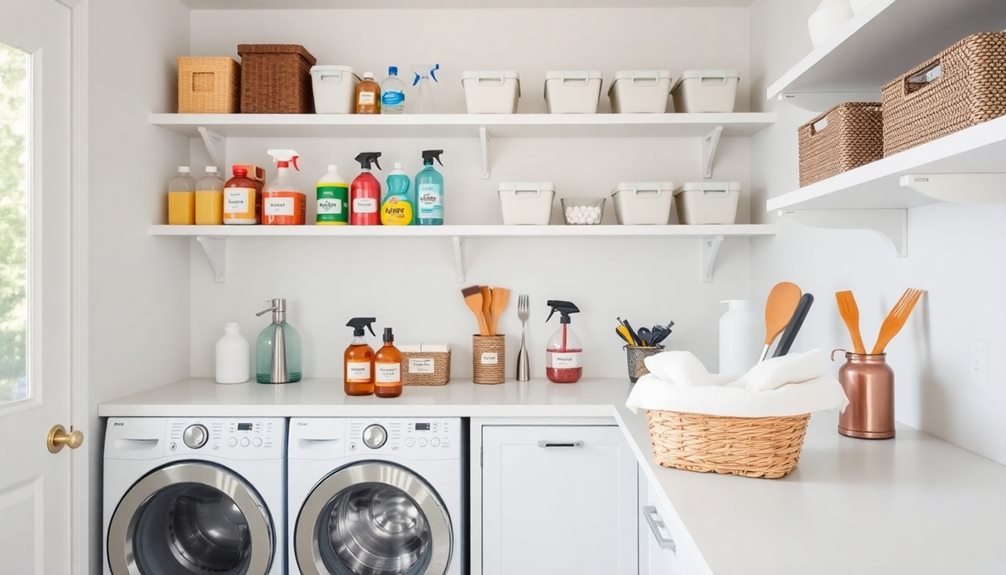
{"points": [[869, 384]]}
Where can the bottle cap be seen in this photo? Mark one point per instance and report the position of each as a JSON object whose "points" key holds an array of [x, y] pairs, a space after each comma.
{"points": [[183, 170], [358, 323], [398, 165], [389, 336], [368, 75], [333, 168], [211, 169], [240, 171], [392, 70]]}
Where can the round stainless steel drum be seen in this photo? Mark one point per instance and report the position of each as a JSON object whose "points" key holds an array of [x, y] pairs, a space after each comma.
{"points": [[190, 519], [373, 518]]}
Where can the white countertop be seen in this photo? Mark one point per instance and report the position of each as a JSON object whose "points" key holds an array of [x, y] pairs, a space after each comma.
{"points": [[914, 504]]}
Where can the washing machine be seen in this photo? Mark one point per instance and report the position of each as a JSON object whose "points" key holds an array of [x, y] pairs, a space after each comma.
{"points": [[195, 496], [378, 496]]}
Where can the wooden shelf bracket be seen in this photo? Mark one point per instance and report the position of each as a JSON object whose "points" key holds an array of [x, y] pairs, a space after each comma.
{"points": [[890, 223]]}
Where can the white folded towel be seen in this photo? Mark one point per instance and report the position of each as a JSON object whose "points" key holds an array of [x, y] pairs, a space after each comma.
{"points": [[778, 371], [680, 367]]}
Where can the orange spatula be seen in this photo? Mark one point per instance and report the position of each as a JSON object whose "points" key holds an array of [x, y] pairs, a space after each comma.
{"points": [[896, 319], [782, 302]]}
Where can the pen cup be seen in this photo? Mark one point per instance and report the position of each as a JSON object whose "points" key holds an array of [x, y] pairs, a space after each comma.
{"points": [[634, 356], [488, 359]]}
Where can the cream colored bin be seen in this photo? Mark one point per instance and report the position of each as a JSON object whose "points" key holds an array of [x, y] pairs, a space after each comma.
{"points": [[704, 202], [640, 91], [334, 87], [526, 203], [491, 92], [706, 91], [572, 91], [643, 202]]}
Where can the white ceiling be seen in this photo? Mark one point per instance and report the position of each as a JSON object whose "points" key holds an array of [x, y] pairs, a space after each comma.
{"points": [[407, 4]]}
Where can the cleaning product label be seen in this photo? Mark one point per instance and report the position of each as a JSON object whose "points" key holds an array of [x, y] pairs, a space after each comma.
{"points": [[559, 360], [490, 358], [367, 98], [396, 212], [365, 206], [392, 98], [431, 205], [331, 203], [358, 371], [279, 206], [421, 365], [238, 200], [387, 372]]}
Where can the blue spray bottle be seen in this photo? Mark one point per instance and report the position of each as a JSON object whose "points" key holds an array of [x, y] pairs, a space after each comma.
{"points": [[430, 191]]}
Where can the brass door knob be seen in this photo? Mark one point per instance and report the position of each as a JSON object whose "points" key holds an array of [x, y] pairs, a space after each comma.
{"points": [[58, 438]]}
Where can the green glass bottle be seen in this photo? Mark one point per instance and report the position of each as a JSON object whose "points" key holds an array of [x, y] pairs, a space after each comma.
{"points": [[278, 350]]}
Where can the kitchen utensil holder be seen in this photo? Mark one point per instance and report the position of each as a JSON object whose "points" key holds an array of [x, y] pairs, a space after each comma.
{"points": [[869, 384], [634, 356], [845, 137], [426, 368], [488, 359]]}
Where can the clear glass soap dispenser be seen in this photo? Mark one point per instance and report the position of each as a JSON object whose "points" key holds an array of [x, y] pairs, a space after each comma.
{"points": [[278, 350]]}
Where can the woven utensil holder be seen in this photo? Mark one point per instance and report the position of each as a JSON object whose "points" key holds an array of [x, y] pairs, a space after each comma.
{"points": [[488, 359], [766, 447], [426, 368], [634, 356], [845, 137], [208, 85], [276, 79], [960, 87]]}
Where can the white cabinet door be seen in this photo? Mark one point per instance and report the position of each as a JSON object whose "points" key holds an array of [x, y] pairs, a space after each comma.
{"points": [[664, 546], [558, 499]]}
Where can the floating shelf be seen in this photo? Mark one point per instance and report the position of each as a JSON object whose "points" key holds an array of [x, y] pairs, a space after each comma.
{"points": [[213, 238]]}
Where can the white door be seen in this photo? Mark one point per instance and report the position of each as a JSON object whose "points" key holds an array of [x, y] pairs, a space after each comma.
{"points": [[35, 207], [557, 499]]}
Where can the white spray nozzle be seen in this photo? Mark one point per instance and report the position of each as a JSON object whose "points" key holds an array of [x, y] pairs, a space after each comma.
{"points": [[283, 158]]}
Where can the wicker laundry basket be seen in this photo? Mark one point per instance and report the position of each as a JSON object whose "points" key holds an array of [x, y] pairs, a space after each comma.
{"points": [[276, 79], [960, 87], [845, 137], [766, 447]]}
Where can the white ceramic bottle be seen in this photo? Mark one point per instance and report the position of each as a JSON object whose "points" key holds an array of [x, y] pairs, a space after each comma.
{"points": [[740, 345], [233, 357]]}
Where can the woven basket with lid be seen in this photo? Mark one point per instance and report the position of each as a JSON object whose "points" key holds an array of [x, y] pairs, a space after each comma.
{"points": [[276, 79]]}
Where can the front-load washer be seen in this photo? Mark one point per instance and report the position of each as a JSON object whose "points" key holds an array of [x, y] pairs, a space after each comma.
{"points": [[377, 496], [194, 496]]}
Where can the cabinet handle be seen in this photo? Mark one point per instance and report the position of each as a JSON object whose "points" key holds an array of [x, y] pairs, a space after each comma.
{"points": [[656, 525], [564, 444]]}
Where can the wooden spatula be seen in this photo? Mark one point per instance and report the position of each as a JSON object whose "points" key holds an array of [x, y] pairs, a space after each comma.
{"points": [[500, 298], [487, 305], [896, 319], [850, 315], [473, 299], [782, 302]]}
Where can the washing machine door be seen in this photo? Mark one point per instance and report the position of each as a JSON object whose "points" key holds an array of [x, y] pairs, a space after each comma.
{"points": [[373, 518], [191, 518]]}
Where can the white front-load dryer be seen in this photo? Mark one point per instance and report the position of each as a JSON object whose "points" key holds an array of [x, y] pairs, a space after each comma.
{"points": [[376, 496], [194, 496]]}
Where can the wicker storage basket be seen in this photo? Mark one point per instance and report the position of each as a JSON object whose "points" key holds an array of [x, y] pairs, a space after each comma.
{"points": [[426, 368], [845, 137], [960, 87], [276, 79], [207, 85], [766, 447], [488, 358]]}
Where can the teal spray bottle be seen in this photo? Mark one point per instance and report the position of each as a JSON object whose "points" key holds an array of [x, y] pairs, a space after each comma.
{"points": [[430, 191]]}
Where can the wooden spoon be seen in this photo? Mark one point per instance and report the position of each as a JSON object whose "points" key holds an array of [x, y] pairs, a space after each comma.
{"points": [[779, 308], [487, 304], [850, 315], [896, 319]]}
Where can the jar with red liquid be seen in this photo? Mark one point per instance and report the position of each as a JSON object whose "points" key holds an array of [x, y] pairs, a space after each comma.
{"points": [[563, 355]]}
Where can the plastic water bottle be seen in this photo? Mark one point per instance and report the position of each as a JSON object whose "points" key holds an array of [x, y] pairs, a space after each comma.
{"points": [[424, 76], [392, 93]]}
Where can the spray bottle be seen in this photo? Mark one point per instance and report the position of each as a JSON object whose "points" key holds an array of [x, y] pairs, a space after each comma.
{"points": [[423, 77], [365, 193], [283, 203], [562, 356], [358, 361], [396, 206], [430, 191]]}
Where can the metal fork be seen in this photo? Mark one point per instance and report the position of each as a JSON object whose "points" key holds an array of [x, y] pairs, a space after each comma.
{"points": [[523, 313]]}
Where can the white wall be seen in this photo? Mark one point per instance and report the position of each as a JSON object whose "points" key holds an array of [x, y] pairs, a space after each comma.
{"points": [[953, 252], [409, 284]]}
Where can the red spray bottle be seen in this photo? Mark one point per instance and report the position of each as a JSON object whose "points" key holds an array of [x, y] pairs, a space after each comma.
{"points": [[365, 193], [562, 356]]}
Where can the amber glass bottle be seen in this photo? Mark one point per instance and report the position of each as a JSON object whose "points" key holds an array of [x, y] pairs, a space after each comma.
{"points": [[358, 361], [368, 96], [388, 368]]}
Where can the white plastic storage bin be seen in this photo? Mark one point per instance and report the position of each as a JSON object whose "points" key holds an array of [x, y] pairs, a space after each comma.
{"points": [[572, 91], [334, 87], [528, 203], [640, 91], [643, 202], [706, 91], [707, 202], [491, 92]]}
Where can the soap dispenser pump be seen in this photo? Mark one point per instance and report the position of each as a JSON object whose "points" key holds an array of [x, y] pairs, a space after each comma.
{"points": [[278, 350]]}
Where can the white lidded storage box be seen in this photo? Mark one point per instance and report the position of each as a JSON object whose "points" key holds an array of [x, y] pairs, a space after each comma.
{"points": [[643, 202], [640, 91], [334, 87], [572, 91], [491, 92], [706, 91], [528, 203], [706, 202]]}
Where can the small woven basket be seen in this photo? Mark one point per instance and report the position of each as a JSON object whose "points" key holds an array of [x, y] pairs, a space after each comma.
{"points": [[426, 368], [634, 357], [208, 85], [766, 447], [960, 87], [276, 79], [845, 137], [488, 359]]}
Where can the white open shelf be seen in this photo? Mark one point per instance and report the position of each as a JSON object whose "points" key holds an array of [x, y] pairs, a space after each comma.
{"points": [[887, 39]]}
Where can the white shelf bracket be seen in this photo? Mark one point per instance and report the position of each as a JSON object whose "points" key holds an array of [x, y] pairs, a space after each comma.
{"points": [[710, 250], [216, 254], [216, 145], [484, 143], [974, 188], [890, 223], [821, 101], [459, 258], [709, 145]]}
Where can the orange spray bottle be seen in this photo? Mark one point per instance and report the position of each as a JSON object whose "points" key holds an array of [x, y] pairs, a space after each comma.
{"points": [[283, 203]]}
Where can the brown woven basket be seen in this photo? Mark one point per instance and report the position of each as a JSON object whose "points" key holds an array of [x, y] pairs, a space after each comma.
{"points": [[766, 447], [276, 79], [845, 137], [960, 87], [426, 368], [207, 85], [488, 359]]}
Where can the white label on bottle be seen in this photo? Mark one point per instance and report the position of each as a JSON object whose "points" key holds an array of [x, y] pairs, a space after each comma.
{"points": [[367, 98], [560, 360], [387, 373], [430, 201], [328, 206], [358, 371], [423, 365], [365, 205], [279, 206], [237, 200], [490, 358]]}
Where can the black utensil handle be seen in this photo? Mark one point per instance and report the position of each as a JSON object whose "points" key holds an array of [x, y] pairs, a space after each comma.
{"points": [[794, 325]]}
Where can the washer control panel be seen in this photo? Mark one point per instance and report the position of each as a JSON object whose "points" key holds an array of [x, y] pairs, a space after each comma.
{"points": [[227, 437], [426, 438]]}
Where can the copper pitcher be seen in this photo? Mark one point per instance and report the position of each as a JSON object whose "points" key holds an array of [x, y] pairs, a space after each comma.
{"points": [[869, 384]]}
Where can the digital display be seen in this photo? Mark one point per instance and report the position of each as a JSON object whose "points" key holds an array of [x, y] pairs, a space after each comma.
{"points": [[244, 427], [422, 427]]}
